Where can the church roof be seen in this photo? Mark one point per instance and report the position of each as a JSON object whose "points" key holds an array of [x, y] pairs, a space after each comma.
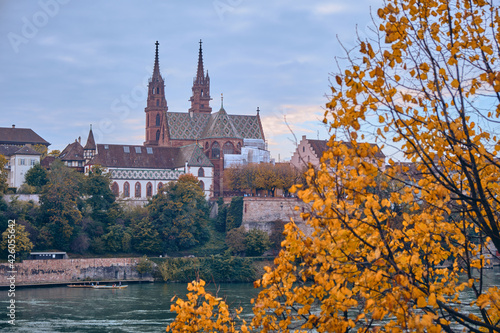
{"points": [[183, 126], [20, 136], [90, 141], [72, 152], [126, 156], [220, 126]]}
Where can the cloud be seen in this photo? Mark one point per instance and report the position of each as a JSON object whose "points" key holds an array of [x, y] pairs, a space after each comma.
{"points": [[292, 119]]}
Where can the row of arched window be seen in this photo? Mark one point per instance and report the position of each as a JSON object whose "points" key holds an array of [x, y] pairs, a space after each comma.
{"points": [[149, 187], [214, 151]]}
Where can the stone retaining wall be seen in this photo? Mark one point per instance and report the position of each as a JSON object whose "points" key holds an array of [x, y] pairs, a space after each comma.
{"points": [[69, 270]]}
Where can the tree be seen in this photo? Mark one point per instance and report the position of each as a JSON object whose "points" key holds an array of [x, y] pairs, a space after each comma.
{"points": [[179, 213], [145, 239], [59, 214], [37, 177], [256, 242], [23, 245], [97, 187], [430, 78], [235, 240], [3, 174]]}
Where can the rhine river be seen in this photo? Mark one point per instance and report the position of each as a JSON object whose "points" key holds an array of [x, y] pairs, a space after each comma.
{"points": [[138, 308]]}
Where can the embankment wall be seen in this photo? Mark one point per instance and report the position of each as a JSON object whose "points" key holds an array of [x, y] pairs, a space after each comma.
{"points": [[70, 270]]}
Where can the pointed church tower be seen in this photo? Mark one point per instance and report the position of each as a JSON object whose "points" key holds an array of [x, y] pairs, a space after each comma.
{"points": [[90, 147], [156, 108], [200, 101]]}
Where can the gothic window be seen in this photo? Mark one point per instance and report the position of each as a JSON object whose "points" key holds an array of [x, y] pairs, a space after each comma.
{"points": [[157, 135], [202, 185], [215, 150], [160, 185], [137, 193], [201, 172], [153, 90], [228, 148], [158, 90], [158, 120], [147, 119], [303, 149], [149, 190], [157, 102], [115, 189], [126, 190]]}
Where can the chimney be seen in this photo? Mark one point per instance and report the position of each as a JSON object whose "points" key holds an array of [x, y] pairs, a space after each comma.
{"points": [[80, 140], [13, 126]]}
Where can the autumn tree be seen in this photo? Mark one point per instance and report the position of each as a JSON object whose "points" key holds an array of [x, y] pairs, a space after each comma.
{"points": [[23, 245], [427, 83], [3, 174]]}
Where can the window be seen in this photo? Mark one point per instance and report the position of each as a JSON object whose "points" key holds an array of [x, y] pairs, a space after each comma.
{"points": [[22, 161], [201, 172], [149, 150], [137, 193], [157, 135], [228, 148], [115, 189], [126, 190], [106, 147], [215, 150], [126, 149], [32, 162], [153, 91], [160, 185], [303, 149], [158, 120], [149, 190], [157, 102], [202, 185], [138, 150], [158, 90]]}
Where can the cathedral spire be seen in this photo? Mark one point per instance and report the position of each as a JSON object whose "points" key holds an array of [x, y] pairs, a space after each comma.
{"points": [[200, 71], [200, 100], [156, 69], [156, 107]]}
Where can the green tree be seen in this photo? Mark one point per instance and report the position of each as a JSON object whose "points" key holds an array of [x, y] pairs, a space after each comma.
{"points": [[36, 176], [256, 242], [179, 213], [235, 240], [97, 188], [144, 266], [234, 215], [145, 239], [59, 214]]}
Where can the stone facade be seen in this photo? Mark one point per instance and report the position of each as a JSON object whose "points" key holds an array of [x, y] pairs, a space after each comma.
{"points": [[71, 270]]}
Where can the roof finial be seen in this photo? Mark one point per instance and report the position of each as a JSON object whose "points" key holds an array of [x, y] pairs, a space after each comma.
{"points": [[91, 127], [258, 110], [156, 69], [221, 101]]}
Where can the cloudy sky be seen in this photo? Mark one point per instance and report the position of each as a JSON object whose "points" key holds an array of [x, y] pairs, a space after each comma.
{"points": [[66, 64]]}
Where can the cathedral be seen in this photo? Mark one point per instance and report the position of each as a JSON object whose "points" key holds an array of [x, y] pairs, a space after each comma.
{"points": [[225, 139], [198, 142]]}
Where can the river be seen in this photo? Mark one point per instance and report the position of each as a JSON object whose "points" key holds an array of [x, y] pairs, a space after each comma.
{"points": [[138, 308]]}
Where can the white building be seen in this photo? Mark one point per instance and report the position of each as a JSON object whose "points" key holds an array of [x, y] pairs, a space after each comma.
{"points": [[19, 161], [252, 151], [137, 172]]}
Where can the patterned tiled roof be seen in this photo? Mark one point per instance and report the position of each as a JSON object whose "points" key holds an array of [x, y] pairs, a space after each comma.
{"points": [[183, 126], [247, 126], [217, 125], [220, 126], [195, 157]]}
